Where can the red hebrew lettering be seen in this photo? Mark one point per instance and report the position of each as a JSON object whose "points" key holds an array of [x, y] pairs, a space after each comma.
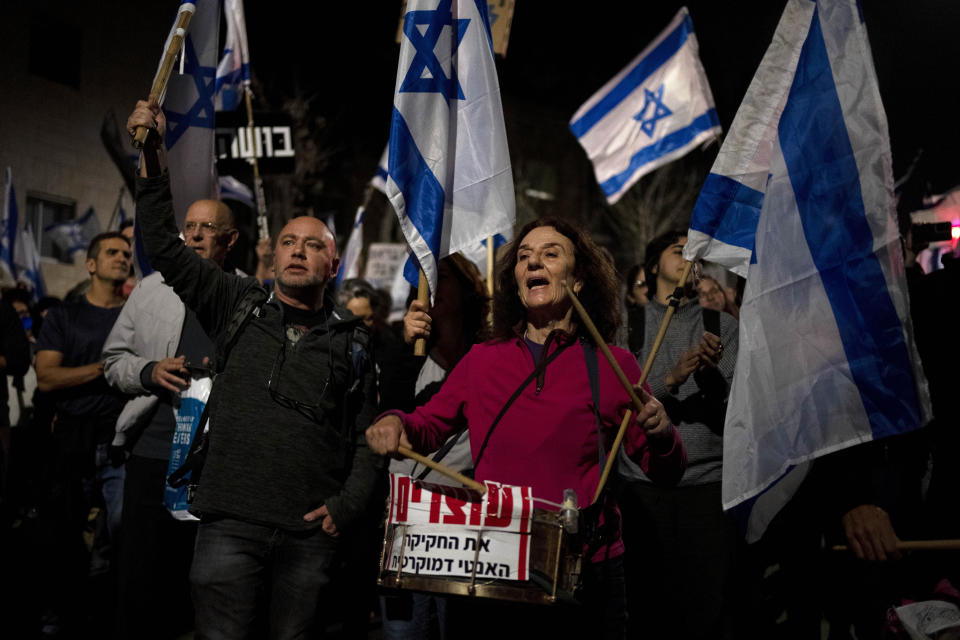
{"points": [[476, 510], [502, 499], [415, 495], [403, 498], [435, 502], [456, 511]]}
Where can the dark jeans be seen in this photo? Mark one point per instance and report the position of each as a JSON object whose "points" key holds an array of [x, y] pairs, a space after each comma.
{"points": [[155, 555], [254, 581]]}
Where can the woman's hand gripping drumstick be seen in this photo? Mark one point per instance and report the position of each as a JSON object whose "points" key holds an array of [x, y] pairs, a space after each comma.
{"points": [[387, 437]]}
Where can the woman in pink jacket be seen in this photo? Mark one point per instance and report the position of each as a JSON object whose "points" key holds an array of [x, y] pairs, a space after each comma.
{"points": [[549, 437]]}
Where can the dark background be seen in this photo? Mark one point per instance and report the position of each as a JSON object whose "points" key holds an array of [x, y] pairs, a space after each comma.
{"points": [[337, 62]]}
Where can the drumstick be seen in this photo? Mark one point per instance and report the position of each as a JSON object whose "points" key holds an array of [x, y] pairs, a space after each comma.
{"points": [[616, 445], [621, 376], [602, 344], [916, 545], [442, 468]]}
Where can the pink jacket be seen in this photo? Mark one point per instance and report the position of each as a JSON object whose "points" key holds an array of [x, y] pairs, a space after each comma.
{"points": [[547, 439]]}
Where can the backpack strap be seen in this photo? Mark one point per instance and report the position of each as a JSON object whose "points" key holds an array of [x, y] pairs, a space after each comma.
{"points": [[248, 307], [593, 373]]}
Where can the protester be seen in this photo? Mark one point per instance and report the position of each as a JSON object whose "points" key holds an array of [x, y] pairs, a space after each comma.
{"points": [[712, 295], [69, 368], [360, 553], [147, 354], [548, 437], [630, 333], [126, 228], [287, 470], [687, 540], [362, 300]]}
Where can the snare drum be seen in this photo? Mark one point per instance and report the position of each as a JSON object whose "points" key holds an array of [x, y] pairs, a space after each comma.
{"points": [[552, 572]]}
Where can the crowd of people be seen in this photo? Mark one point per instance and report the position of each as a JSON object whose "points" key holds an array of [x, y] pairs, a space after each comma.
{"points": [[311, 393]]}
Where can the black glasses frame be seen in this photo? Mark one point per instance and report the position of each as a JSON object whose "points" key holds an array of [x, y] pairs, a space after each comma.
{"points": [[306, 409]]}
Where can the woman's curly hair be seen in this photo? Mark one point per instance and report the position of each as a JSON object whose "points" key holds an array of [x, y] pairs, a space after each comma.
{"points": [[599, 295]]}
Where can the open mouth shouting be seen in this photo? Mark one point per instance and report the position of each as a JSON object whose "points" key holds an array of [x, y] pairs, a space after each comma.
{"points": [[537, 282]]}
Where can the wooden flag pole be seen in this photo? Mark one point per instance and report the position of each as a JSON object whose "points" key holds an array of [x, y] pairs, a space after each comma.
{"points": [[262, 223], [916, 545], [423, 295], [166, 66], [470, 483], [674, 303], [490, 255], [621, 376]]}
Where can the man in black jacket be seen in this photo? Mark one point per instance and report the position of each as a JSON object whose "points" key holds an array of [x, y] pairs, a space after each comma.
{"points": [[288, 468]]}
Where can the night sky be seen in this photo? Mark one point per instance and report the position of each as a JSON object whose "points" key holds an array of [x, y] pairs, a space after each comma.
{"points": [[560, 53]]}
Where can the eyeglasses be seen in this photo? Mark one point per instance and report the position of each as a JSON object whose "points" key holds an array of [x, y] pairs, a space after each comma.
{"points": [[205, 228], [307, 409]]}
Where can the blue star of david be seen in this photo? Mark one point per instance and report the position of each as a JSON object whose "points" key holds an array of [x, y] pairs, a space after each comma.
{"points": [[201, 112], [652, 102], [492, 12], [425, 59]]}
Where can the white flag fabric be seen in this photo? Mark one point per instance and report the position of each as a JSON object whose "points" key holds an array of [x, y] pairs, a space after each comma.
{"points": [[73, 236], [477, 254], [233, 189], [8, 238], [450, 179], [188, 107], [233, 72], [658, 108], [800, 200], [379, 179], [27, 260], [350, 263]]}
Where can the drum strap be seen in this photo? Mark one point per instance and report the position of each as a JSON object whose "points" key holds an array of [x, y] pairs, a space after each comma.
{"points": [[443, 451], [593, 373], [541, 366]]}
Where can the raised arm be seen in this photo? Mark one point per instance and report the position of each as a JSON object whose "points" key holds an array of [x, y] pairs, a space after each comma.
{"points": [[200, 283]]}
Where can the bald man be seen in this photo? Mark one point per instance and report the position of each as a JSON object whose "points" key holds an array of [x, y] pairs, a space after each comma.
{"points": [[287, 470], [147, 354]]}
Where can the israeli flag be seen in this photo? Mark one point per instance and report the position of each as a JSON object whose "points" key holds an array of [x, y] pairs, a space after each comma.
{"points": [[800, 200], [188, 106], [73, 236], [379, 179], [477, 254], [450, 179], [8, 239], [658, 108], [233, 189], [27, 260], [350, 264], [233, 72]]}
